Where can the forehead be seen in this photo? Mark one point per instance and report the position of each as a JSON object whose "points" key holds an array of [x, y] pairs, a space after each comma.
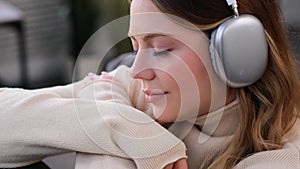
{"points": [[147, 19], [142, 6], [143, 18]]}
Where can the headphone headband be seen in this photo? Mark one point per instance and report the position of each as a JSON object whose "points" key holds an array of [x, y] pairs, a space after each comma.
{"points": [[234, 6]]}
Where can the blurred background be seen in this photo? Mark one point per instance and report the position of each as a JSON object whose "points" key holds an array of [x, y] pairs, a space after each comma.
{"points": [[40, 41]]}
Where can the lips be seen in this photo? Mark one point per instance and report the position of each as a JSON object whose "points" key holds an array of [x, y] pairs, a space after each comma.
{"points": [[154, 95]]}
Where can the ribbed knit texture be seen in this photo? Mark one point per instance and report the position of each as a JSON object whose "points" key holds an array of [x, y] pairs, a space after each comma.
{"points": [[97, 119], [39, 123]]}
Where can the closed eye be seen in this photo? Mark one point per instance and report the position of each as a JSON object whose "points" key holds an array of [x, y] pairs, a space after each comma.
{"points": [[155, 52], [161, 52]]}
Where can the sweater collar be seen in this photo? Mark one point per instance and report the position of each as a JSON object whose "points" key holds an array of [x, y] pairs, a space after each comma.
{"points": [[221, 122], [211, 133]]}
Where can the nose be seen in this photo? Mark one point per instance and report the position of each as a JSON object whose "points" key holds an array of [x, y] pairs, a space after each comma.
{"points": [[141, 68]]}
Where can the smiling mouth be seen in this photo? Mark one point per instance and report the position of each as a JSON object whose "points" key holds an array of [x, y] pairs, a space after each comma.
{"points": [[153, 97]]}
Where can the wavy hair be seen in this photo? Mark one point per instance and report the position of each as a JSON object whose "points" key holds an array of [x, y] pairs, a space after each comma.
{"points": [[269, 106]]}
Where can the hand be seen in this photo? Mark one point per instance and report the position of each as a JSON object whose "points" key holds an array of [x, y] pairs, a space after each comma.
{"points": [[180, 164], [93, 77]]}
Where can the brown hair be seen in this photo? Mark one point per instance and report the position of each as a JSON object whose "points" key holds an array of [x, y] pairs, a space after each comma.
{"points": [[268, 107]]}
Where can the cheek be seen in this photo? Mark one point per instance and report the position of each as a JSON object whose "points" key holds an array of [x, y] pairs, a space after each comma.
{"points": [[200, 72], [198, 67]]}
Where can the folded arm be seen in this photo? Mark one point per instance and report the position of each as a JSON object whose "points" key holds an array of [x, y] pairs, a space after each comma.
{"points": [[39, 123]]}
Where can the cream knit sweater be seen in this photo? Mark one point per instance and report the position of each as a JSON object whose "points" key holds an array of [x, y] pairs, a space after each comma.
{"points": [[97, 119]]}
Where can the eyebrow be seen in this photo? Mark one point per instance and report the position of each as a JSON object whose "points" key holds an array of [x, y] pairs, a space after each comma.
{"points": [[149, 37]]}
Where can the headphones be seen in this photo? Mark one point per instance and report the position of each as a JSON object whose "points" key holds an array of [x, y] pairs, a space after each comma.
{"points": [[239, 49]]}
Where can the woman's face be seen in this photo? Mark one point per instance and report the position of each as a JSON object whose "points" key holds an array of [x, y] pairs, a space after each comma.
{"points": [[173, 63]]}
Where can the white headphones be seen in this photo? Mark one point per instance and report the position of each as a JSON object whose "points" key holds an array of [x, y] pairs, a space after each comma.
{"points": [[239, 49]]}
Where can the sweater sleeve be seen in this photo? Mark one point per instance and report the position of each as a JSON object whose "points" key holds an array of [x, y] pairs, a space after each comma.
{"points": [[91, 161], [148, 147], [39, 123]]}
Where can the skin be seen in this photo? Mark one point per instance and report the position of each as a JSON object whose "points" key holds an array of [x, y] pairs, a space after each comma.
{"points": [[173, 63], [162, 88], [175, 70]]}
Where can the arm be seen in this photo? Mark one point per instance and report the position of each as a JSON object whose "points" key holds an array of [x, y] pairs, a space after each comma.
{"points": [[40, 123], [106, 161], [120, 88]]}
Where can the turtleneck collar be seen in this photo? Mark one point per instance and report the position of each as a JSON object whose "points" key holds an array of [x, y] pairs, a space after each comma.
{"points": [[221, 122], [211, 134]]}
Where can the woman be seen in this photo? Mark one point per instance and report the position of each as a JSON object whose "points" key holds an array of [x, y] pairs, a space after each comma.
{"points": [[222, 126], [258, 120]]}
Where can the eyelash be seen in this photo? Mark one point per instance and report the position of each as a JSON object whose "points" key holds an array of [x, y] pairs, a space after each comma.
{"points": [[156, 53], [161, 52]]}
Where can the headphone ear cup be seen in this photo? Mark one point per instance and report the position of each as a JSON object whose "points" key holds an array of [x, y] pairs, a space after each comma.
{"points": [[215, 59], [239, 51]]}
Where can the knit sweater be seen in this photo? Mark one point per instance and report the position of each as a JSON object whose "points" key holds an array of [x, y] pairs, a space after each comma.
{"points": [[110, 124], [95, 117]]}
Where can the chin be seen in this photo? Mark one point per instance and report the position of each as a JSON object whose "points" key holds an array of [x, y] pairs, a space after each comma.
{"points": [[165, 114], [165, 118]]}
